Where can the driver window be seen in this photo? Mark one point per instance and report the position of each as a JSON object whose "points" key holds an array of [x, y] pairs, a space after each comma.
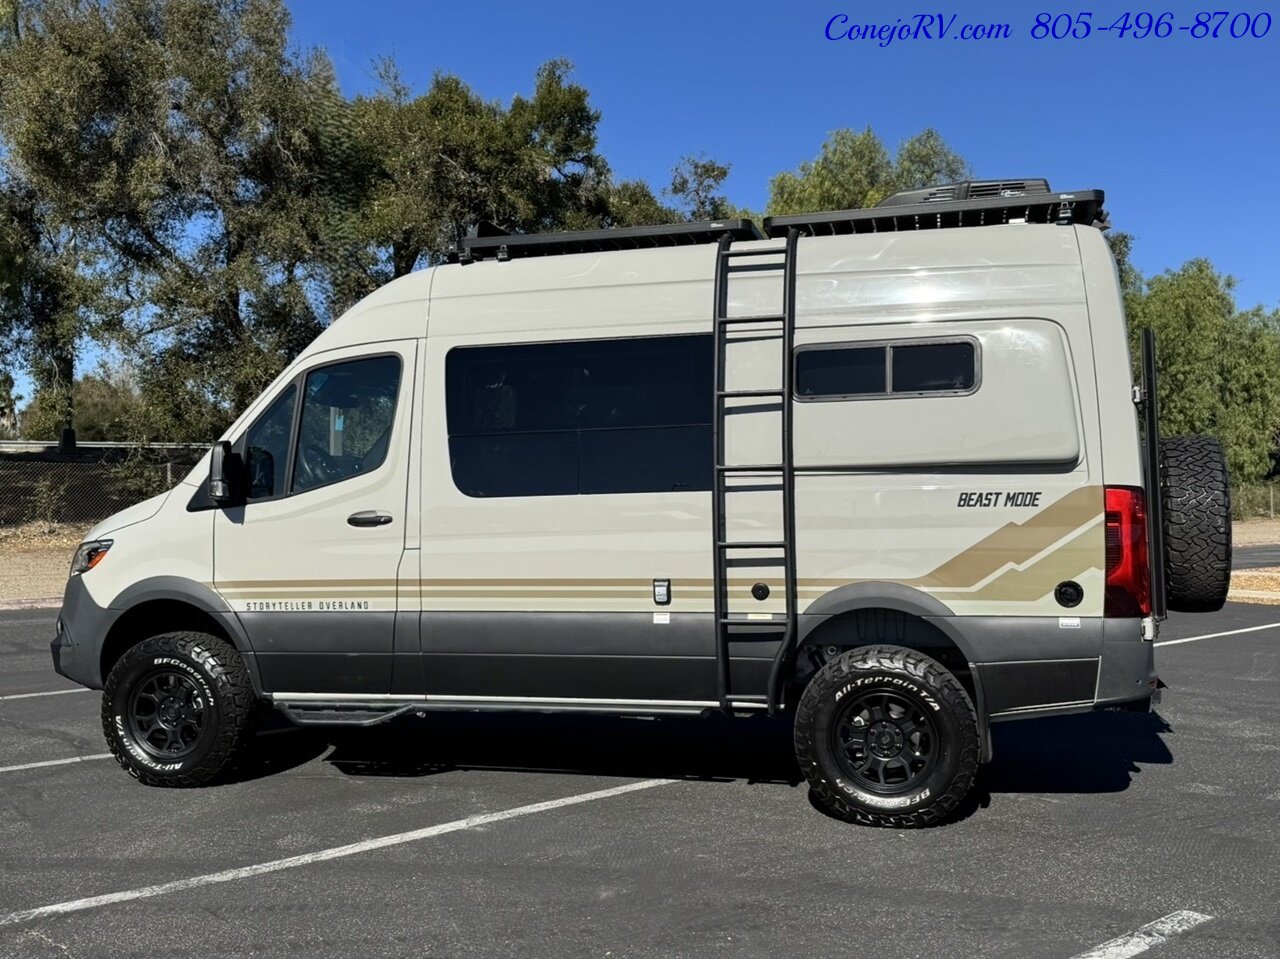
{"points": [[347, 413], [267, 447]]}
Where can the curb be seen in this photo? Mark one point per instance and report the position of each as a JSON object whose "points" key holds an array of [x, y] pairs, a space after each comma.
{"points": [[1259, 597], [48, 602]]}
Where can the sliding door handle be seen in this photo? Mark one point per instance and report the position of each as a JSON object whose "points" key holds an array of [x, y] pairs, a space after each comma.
{"points": [[368, 517]]}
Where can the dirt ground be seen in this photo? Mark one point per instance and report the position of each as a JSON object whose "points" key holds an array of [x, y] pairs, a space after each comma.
{"points": [[1256, 532], [34, 559]]}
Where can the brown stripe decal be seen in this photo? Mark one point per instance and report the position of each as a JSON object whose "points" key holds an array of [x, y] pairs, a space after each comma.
{"points": [[1016, 542], [1079, 512]]}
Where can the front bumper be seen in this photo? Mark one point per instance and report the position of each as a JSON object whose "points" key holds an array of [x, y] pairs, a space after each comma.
{"points": [[77, 643]]}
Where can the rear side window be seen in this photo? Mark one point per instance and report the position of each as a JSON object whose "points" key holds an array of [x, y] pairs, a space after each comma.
{"points": [[581, 417], [886, 369]]}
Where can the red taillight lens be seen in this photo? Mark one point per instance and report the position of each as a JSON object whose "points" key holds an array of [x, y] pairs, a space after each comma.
{"points": [[1128, 572]]}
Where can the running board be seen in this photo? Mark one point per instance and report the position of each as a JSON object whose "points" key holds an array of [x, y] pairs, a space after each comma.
{"points": [[315, 710]]}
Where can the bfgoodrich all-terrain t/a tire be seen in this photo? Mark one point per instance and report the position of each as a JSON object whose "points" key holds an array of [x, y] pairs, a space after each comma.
{"points": [[887, 737], [175, 707], [1197, 523]]}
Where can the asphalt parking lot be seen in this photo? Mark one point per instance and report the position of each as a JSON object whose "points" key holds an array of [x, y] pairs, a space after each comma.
{"points": [[1081, 831]]}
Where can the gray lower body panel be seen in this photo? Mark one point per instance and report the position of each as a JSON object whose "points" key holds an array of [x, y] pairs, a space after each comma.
{"points": [[584, 655], [323, 652], [82, 626]]}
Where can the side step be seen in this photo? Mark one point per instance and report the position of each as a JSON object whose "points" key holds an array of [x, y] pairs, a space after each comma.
{"points": [[343, 713], [360, 712]]}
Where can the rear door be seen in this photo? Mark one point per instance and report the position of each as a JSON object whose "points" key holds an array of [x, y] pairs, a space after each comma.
{"points": [[310, 562]]}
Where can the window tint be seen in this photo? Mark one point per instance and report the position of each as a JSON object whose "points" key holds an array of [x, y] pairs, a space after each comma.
{"points": [[886, 369], [267, 447], [347, 413], [845, 372], [933, 367], [593, 416]]}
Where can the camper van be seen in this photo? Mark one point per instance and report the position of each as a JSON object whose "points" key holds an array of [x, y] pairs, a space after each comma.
{"points": [[882, 473]]}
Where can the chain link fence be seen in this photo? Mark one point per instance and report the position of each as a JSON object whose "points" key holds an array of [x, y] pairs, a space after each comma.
{"points": [[1254, 500], [39, 485]]}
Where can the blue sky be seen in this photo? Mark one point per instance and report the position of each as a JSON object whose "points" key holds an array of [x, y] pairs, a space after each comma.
{"points": [[1183, 134]]}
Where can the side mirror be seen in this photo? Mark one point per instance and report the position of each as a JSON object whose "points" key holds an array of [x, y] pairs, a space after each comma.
{"points": [[222, 474]]}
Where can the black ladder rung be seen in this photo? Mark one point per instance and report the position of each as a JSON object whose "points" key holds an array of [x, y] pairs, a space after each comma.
{"points": [[746, 394], [771, 623], [748, 544], [766, 318], [775, 251], [749, 468]]}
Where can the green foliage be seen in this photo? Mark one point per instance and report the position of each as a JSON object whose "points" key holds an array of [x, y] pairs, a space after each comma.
{"points": [[854, 170], [9, 401], [1219, 368], [48, 500], [633, 203], [695, 185], [192, 151], [105, 409], [443, 161]]}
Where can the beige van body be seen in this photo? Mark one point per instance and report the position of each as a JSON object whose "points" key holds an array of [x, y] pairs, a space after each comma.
{"points": [[460, 561]]}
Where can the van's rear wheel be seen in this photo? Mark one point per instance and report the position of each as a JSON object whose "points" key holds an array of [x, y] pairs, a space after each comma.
{"points": [[1196, 499], [887, 737], [175, 708]]}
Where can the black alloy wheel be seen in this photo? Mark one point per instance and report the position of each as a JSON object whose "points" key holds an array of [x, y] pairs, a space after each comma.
{"points": [[166, 714], [886, 736], [885, 742], [176, 707]]}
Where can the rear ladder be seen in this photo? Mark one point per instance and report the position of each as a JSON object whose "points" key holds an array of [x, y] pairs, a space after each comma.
{"points": [[780, 552]]}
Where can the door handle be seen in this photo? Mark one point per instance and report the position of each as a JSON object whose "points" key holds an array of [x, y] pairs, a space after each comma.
{"points": [[368, 517]]}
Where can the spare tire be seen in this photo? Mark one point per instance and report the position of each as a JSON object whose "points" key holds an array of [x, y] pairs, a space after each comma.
{"points": [[1196, 497]]}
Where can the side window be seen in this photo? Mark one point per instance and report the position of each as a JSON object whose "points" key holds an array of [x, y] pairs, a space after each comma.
{"points": [[345, 428], [886, 369], [844, 372], [589, 416], [934, 368], [267, 447]]}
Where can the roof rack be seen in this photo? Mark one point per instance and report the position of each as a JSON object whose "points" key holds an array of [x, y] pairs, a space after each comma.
{"points": [[973, 203], [488, 242]]}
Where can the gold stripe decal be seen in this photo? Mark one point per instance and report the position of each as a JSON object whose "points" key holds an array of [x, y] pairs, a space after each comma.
{"points": [[1019, 562]]}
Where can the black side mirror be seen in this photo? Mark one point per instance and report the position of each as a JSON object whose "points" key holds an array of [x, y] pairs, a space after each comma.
{"points": [[223, 474]]}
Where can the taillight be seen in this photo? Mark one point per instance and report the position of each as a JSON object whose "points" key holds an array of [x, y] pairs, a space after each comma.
{"points": [[1128, 571]]}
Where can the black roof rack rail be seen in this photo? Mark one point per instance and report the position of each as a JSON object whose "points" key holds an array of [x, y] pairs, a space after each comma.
{"points": [[489, 243], [1082, 207], [967, 190]]}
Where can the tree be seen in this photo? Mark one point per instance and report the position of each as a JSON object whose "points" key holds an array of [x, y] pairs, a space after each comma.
{"points": [[1219, 369], [854, 170], [203, 163], [9, 401], [445, 160], [695, 184], [106, 408], [43, 295], [633, 203]]}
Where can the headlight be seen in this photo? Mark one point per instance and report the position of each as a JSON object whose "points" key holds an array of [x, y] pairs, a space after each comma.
{"points": [[89, 555]]}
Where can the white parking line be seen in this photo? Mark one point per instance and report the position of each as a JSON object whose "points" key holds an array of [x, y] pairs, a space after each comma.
{"points": [[1152, 934], [1230, 632], [54, 762], [323, 855], [51, 692]]}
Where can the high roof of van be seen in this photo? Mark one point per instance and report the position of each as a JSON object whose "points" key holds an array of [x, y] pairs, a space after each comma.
{"points": [[989, 248]]}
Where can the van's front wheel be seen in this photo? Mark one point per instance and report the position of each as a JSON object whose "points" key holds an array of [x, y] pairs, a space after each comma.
{"points": [[175, 708], [887, 737]]}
